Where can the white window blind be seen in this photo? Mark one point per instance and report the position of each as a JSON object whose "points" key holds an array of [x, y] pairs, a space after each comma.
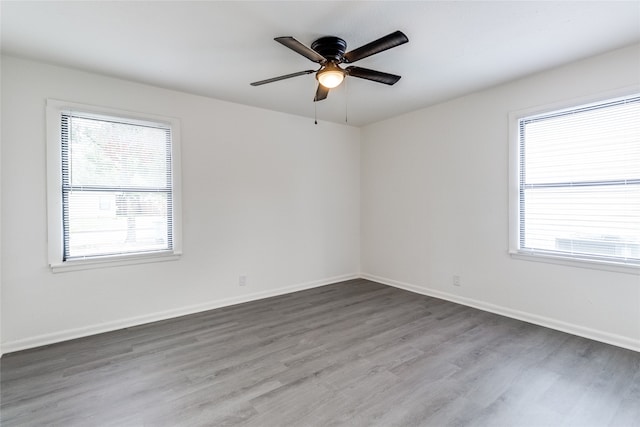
{"points": [[579, 182], [116, 186]]}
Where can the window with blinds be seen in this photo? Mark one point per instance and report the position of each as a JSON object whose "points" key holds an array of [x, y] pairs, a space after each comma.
{"points": [[579, 182], [116, 186], [113, 187]]}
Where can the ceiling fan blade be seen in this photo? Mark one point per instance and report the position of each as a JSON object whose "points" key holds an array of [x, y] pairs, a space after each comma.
{"points": [[298, 47], [286, 76], [321, 93], [387, 42], [376, 76]]}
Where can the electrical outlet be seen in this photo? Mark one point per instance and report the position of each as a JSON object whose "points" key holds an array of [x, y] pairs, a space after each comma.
{"points": [[456, 280], [242, 280]]}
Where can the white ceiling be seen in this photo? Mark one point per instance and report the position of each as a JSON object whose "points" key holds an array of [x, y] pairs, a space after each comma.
{"points": [[216, 48]]}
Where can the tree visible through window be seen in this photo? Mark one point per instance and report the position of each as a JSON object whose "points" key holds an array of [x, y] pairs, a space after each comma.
{"points": [[579, 182]]}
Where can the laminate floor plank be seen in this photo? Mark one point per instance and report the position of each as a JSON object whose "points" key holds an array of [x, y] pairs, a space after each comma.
{"points": [[355, 353]]}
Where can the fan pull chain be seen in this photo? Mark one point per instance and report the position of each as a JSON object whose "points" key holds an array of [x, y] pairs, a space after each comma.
{"points": [[315, 105], [346, 101]]}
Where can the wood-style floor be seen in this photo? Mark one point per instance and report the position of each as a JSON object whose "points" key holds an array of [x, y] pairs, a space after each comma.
{"points": [[355, 353]]}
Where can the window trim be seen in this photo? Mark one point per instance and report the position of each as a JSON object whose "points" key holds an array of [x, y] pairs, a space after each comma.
{"points": [[54, 110], [592, 262]]}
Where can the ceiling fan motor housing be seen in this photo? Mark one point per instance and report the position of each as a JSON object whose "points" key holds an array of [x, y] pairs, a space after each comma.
{"points": [[332, 48]]}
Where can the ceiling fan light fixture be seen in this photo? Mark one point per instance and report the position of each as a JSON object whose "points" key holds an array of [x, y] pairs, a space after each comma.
{"points": [[330, 76]]}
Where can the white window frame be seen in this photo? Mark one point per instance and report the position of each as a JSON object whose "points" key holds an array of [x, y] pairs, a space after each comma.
{"points": [[514, 187], [54, 110]]}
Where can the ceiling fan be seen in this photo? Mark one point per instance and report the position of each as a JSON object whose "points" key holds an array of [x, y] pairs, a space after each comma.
{"points": [[329, 52]]}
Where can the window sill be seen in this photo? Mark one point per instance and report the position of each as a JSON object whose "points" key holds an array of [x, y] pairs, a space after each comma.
{"points": [[116, 261], [594, 264]]}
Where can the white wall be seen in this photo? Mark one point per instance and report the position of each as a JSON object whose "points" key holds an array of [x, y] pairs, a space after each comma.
{"points": [[286, 202], [1, 217], [435, 204], [265, 194]]}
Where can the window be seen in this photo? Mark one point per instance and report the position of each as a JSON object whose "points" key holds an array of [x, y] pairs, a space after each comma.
{"points": [[113, 194], [578, 183]]}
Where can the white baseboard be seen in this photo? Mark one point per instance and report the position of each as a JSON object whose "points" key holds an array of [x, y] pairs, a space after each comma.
{"points": [[594, 334], [46, 339]]}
